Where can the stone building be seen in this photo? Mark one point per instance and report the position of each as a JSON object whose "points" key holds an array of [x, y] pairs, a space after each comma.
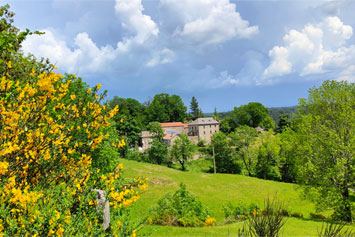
{"points": [[171, 131], [203, 129]]}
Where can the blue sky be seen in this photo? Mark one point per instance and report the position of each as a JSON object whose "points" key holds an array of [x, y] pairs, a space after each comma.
{"points": [[224, 52]]}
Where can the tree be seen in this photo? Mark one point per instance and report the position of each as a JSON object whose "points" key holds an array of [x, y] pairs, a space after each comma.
{"points": [[215, 114], [166, 108], [268, 156], [195, 111], [228, 125], [159, 150], [283, 123], [225, 162], [128, 120], [268, 123], [325, 135], [242, 140], [251, 114], [182, 150]]}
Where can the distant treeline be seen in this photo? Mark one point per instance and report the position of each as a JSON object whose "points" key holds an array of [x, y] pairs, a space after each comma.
{"points": [[274, 112]]}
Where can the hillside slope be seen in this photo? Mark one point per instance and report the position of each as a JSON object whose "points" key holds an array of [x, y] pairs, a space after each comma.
{"points": [[214, 190]]}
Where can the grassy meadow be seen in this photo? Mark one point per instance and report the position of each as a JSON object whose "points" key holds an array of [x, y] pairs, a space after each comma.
{"points": [[214, 190]]}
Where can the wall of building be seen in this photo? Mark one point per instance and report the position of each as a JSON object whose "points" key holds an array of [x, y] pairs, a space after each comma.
{"points": [[205, 132]]}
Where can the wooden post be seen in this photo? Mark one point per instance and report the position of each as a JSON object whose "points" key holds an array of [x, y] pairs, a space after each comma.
{"points": [[214, 160]]}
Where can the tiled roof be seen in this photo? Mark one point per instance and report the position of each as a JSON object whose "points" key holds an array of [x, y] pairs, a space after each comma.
{"points": [[202, 121], [173, 124]]}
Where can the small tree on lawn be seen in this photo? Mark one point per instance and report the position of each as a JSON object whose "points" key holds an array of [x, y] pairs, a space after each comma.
{"points": [[182, 150]]}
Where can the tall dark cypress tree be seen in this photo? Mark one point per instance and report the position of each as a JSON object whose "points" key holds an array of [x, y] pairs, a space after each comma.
{"points": [[195, 111]]}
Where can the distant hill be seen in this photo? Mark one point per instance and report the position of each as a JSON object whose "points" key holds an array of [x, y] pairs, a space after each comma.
{"points": [[274, 112]]}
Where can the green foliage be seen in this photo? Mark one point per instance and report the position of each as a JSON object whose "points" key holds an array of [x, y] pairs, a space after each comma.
{"points": [[55, 136], [276, 112], [201, 143], [228, 125], [251, 114], [156, 130], [268, 156], [158, 151], [239, 211], [267, 222], [182, 150], [288, 151], [166, 108], [128, 120], [225, 161], [283, 123], [179, 209], [334, 230], [242, 140], [268, 123], [195, 111], [325, 140]]}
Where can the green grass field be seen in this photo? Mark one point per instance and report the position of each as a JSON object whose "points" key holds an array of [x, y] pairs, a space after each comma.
{"points": [[214, 190]]}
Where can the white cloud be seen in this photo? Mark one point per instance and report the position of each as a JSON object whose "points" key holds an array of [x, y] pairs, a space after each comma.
{"points": [[132, 18], [85, 57], [206, 22], [161, 57], [315, 49]]}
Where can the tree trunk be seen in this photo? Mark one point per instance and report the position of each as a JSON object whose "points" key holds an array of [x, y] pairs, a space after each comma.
{"points": [[346, 207], [182, 163]]}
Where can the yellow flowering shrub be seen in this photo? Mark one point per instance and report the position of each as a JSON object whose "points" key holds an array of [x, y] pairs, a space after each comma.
{"points": [[52, 129]]}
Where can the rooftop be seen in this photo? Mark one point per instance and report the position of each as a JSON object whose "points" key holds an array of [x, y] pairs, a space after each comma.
{"points": [[203, 121], [173, 124]]}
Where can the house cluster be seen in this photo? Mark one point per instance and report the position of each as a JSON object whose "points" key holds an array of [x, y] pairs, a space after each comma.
{"points": [[199, 129]]}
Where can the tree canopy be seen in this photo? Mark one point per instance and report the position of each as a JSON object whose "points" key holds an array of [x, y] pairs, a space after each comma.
{"points": [[251, 114], [325, 136], [195, 111], [166, 108]]}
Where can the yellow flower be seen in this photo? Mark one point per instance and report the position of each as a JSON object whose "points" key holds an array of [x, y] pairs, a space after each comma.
{"points": [[33, 72], [72, 97], [121, 120], [9, 64], [98, 86], [51, 232], [3, 167]]}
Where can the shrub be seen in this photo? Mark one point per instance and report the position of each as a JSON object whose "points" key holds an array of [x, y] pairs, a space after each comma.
{"points": [[54, 137], [296, 214], [267, 222], [317, 216], [334, 230], [201, 143], [180, 209], [240, 211]]}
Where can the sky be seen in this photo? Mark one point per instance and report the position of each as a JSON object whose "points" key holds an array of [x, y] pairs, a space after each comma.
{"points": [[226, 53]]}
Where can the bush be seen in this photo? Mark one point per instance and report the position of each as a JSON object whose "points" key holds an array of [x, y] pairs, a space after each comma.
{"points": [[55, 148], [296, 214], [180, 209], [135, 155], [240, 211], [267, 222], [317, 216], [334, 230], [201, 143]]}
